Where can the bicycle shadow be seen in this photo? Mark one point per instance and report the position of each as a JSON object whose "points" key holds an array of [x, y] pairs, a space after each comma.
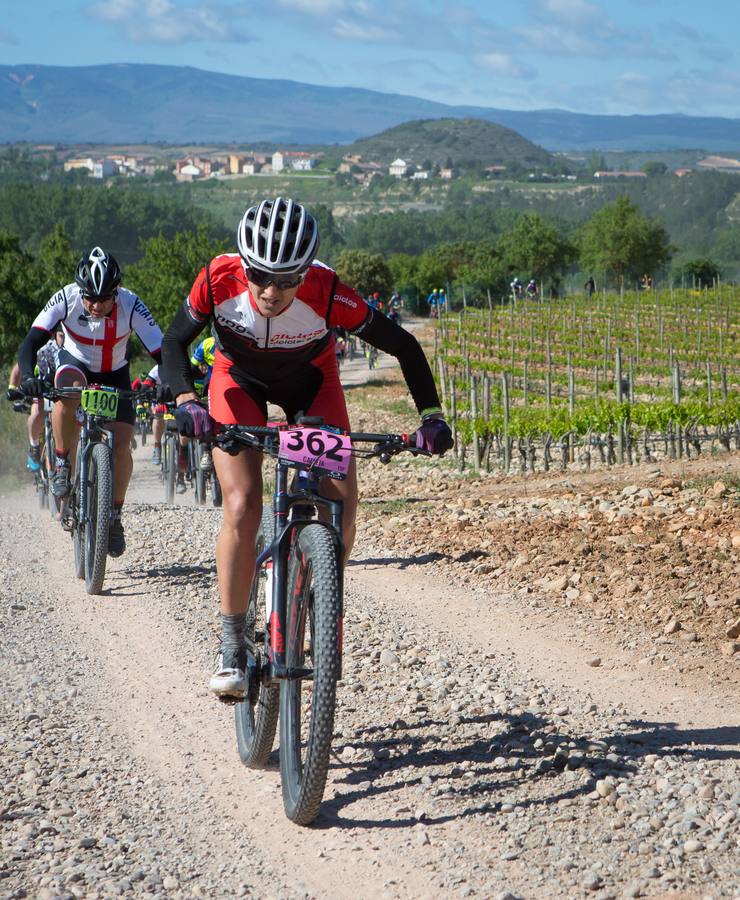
{"points": [[419, 559], [443, 770]]}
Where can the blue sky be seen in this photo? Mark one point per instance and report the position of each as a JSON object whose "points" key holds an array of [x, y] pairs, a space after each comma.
{"points": [[632, 56]]}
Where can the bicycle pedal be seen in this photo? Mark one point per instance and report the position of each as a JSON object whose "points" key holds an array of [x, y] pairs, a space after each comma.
{"points": [[68, 525]]}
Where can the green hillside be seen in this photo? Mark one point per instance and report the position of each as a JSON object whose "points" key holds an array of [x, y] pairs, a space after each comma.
{"points": [[467, 142]]}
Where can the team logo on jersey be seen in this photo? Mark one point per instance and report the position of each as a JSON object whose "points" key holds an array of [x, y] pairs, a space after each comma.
{"points": [[347, 301], [144, 313]]}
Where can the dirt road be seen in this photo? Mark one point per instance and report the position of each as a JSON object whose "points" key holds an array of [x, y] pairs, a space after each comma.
{"points": [[481, 749]]}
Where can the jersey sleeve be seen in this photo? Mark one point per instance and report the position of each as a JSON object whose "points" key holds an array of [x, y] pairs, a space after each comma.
{"points": [[145, 326], [54, 312], [348, 309]]}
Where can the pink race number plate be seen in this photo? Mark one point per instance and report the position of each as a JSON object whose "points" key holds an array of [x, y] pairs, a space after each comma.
{"points": [[315, 448]]}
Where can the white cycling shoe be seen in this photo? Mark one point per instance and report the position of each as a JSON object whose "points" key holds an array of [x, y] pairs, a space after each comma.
{"points": [[230, 678]]}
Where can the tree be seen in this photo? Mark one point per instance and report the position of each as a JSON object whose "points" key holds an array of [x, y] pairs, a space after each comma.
{"points": [[55, 265], [166, 272], [657, 167], [620, 240], [17, 287], [365, 272], [536, 248], [701, 272]]}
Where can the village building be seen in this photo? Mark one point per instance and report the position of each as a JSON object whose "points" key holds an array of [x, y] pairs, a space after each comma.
{"points": [[399, 168]]}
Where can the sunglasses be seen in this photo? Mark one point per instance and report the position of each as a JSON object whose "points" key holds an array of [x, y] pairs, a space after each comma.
{"points": [[104, 299], [265, 279]]}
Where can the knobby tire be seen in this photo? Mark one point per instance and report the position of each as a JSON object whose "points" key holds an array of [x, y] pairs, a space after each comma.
{"points": [[256, 725], [78, 534], [200, 475], [170, 467], [99, 505], [313, 585]]}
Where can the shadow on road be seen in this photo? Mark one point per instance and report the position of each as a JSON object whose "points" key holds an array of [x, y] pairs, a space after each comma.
{"points": [[444, 770]]}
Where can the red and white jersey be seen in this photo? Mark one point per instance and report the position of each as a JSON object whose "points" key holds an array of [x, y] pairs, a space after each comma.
{"points": [[99, 343], [300, 332]]}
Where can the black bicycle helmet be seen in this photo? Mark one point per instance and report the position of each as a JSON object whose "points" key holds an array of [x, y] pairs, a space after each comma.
{"points": [[278, 236], [97, 274]]}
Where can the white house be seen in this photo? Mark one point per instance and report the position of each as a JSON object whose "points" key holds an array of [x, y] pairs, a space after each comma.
{"points": [[278, 162], [399, 168]]}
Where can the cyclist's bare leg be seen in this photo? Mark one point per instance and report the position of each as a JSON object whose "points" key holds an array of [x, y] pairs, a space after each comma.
{"points": [[241, 484], [65, 426], [123, 462], [157, 429], [346, 491], [35, 424]]}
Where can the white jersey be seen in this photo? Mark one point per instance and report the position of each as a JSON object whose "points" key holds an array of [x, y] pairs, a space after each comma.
{"points": [[47, 359], [100, 344]]}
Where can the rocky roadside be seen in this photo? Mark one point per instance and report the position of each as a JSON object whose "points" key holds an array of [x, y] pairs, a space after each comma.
{"points": [[655, 544]]}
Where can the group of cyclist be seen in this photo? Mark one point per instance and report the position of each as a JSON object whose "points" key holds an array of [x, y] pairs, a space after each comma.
{"points": [[518, 289], [272, 309]]}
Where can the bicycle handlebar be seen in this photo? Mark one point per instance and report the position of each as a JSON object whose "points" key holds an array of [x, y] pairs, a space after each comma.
{"points": [[264, 437]]}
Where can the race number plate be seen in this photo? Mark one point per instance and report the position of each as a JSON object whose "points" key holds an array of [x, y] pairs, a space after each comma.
{"points": [[315, 448], [100, 401]]}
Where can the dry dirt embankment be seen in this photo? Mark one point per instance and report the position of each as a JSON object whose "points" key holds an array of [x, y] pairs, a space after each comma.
{"points": [[480, 748]]}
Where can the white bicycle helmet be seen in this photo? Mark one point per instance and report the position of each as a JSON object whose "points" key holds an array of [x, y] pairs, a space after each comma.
{"points": [[278, 236]]}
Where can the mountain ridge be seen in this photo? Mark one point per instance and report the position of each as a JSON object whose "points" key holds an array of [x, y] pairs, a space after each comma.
{"points": [[136, 102]]}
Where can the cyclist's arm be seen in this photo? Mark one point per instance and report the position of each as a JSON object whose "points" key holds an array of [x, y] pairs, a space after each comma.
{"points": [[145, 326], [379, 331], [177, 369]]}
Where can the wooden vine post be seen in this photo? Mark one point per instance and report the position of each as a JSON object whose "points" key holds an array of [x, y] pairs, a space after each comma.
{"points": [[507, 447]]}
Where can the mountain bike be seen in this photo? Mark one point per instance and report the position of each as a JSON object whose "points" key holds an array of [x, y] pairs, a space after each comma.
{"points": [[294, 616], [143, 419], [86, 511], [203, 480], [41, 478]]}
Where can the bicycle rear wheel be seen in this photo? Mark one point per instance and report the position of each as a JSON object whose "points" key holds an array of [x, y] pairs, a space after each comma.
{"points": [[99, 505], [314, 603], [256, 724]]}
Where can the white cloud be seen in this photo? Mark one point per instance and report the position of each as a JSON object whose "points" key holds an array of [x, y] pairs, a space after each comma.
{"points": [[503, 64], [350, 30], [164, 22], [314, 7]]}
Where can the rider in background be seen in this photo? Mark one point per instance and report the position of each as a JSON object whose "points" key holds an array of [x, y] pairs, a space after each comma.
{"points": [[395, 305], [516, 288], [273, 308], [532, 288], [97, 315], [47, 360], [433, 300]]}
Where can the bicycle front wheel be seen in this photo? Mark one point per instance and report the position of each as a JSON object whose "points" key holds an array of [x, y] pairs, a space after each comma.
{"points": [[78, 529], [170, 467], [99, 505], [256, 724], [200, 475], [314, 604], [216, 494]]}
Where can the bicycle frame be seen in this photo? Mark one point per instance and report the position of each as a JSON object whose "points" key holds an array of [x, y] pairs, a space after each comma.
{"points": [[282, 633]]}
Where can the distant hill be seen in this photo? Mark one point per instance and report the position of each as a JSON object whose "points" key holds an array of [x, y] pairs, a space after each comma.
{"points": [[129, 103], [465, 141]]}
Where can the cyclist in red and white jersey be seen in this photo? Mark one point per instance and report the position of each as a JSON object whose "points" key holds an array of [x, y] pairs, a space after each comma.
{"points": [[97, 316], [272, 309]]}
